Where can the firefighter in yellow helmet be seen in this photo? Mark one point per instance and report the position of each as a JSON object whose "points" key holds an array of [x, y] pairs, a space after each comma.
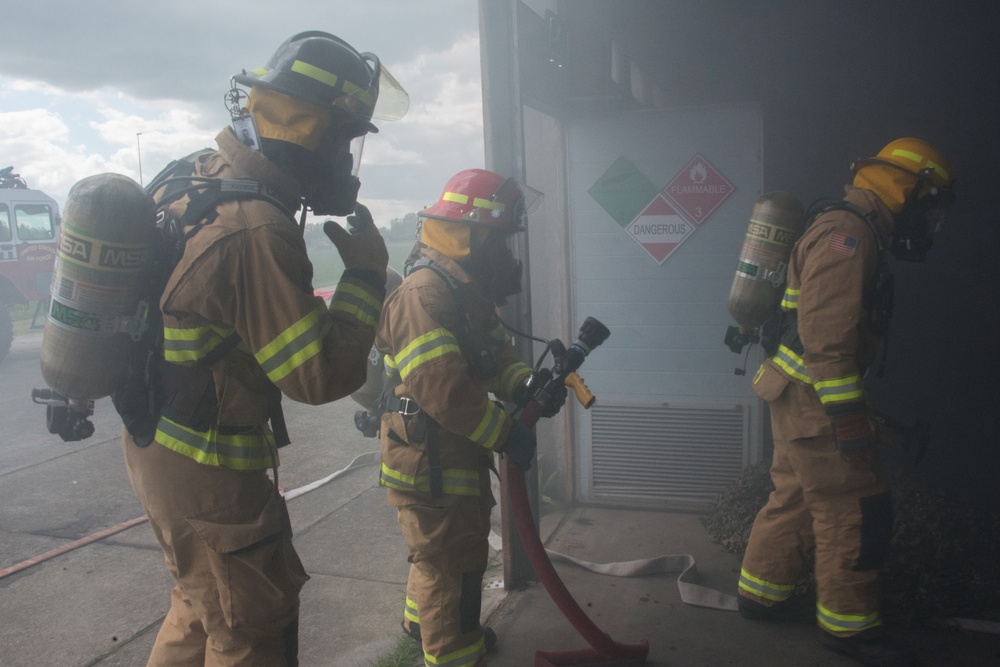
{"points": [[831, 494], [446, 357], [241, 327]]}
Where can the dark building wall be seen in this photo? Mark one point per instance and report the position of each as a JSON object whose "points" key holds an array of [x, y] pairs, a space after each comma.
{"points": [[838, 80]]}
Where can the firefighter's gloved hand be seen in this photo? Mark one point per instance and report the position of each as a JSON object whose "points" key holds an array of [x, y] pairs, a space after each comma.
{"points": [[363, 249], [555, 401], [854, 431], [520, 445]]}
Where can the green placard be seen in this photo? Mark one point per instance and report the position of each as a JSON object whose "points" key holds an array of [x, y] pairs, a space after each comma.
{"points": [[623, 191]]}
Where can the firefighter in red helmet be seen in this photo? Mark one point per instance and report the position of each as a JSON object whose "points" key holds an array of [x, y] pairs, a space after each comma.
{"points": [[831, 494], [446, 358]]}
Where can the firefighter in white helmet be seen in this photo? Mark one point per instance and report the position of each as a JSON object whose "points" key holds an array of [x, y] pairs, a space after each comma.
{"points": [[446, 353], [831, 494], [242, 327]]}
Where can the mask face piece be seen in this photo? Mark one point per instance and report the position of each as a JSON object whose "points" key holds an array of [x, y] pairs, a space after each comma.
{"points": [[495, 267], [915, 227], [332, 187]]}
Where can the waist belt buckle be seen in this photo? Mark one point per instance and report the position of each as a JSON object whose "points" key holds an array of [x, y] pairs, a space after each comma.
{"points": [[407, 406]]}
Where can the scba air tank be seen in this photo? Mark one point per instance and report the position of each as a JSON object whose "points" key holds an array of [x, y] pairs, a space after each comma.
{"points": [[775, 225], [102, 270]]}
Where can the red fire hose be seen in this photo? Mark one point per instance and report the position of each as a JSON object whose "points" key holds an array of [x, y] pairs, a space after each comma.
{"points": [[603, 647]]}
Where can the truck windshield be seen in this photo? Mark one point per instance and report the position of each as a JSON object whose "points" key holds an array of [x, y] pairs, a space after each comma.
{"points": [[5, 234], [34, 222]]}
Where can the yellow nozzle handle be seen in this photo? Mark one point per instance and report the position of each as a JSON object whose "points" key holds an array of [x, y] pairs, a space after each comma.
{"points": [[579, 387]]}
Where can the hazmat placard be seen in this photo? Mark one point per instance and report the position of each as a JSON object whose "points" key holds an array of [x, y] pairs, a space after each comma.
{"points": [[659, 229]]}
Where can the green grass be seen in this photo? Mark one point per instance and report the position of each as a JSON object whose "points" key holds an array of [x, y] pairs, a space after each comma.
{"points": [[406, 653], [21, 317], [327, 265]]}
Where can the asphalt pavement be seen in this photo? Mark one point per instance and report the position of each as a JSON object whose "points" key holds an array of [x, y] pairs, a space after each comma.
{"points": [[99, 600]]}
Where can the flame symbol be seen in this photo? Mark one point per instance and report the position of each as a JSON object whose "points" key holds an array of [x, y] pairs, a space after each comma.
{"points": [[698, 173]]}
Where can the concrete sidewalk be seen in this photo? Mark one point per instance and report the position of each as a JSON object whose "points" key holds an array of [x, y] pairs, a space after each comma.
{"points": [[101, 604], [352, 607]]}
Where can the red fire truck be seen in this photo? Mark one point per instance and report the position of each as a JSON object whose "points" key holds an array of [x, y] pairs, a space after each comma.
{"points": [[29, 232]]}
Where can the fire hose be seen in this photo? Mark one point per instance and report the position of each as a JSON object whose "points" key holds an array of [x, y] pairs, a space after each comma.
{"points": [[603, 647]]}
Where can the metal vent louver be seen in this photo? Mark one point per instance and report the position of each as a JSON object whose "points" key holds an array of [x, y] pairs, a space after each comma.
{"points": [[674, 456]]}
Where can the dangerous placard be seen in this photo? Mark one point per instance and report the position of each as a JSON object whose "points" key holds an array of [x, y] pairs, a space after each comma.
{"points": [[659, 228], [698, 189]]}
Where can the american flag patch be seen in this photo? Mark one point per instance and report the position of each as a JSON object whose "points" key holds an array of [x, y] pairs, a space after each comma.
{"points": [[845, 245]]}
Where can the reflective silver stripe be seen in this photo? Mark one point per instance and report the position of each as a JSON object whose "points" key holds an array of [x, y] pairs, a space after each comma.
{"points": [[512, 376], [456, 482], [422, 349], [192, 344], [252, 451], [791, 363], [410, 611], [356, 302], [840, 390], [790, 300], [295, 345], [765, 589], [464, 657], [846, 622], [490, 426]]}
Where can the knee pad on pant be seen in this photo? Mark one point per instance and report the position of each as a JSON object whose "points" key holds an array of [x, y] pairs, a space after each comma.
{"points": [[876, 531]]}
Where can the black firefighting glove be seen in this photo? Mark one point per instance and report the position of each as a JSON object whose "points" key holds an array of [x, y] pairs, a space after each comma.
{"points": [[520, 445], [854, 430], [363, 249], [552, 399]]}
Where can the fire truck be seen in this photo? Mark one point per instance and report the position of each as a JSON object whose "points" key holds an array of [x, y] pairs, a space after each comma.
{"points": [[29, 232]]}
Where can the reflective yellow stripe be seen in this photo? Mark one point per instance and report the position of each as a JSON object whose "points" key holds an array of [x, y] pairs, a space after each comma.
{"points": [[512, 376], [840, 390], [455, 197], [790, 301], [463, 657], [253, 451], [455, 482], [846, 622], [487, 203], [422, 349], [410, 611], [313, 72], [909, 155], [361, 94], [490, 426], [295, 345], [765, 589], [357, 302], [939, 169], [192, 344], [791, 363]]}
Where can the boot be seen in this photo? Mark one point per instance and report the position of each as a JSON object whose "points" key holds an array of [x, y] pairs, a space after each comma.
{"points": [[795, 609], [872, 648], [489, 636]]}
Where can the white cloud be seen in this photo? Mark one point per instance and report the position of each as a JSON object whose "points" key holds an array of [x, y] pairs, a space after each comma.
{"points": [[54, 136]]}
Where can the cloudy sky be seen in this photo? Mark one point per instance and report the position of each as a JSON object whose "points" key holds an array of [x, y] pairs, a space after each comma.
{"points": [[79, 80]]}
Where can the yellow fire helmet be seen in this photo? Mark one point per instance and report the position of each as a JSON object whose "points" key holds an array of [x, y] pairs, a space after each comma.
{"points": [[906, 168]]}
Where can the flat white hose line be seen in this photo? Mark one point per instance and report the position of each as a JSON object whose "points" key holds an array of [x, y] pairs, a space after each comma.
{"points": [[366, 459], [692, 594], [702, 596]]}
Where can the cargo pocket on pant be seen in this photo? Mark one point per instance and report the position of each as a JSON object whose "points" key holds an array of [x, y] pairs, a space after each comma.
{"points": [[768, 383], [257, 571]]}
